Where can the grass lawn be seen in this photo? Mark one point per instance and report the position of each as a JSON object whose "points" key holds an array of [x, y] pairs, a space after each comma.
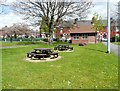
{"points": [[88, 67], [117, 43], [15, 43]]}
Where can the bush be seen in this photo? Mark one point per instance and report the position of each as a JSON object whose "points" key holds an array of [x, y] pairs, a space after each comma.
{"points": [[17, 39], [26, 39], [82, 44], [37, 39], [57, 39], [45, 40], [115, 39], [27, 43]]}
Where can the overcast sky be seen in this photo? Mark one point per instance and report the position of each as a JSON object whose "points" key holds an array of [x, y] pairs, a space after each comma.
{"points": [[9, 18]]}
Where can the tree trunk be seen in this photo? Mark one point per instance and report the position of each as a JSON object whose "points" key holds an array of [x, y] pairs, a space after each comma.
{"points": [[51, 30]]}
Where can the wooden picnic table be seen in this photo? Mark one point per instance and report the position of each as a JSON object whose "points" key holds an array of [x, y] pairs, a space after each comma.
{"points": [[62, 47], [42, 50], [42, 53]]}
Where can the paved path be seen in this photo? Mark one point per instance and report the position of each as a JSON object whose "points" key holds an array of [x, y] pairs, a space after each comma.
{"points": [[114, 48]]}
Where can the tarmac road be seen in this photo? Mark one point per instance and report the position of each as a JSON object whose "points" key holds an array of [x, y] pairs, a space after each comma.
{"points": [[114, 48]]}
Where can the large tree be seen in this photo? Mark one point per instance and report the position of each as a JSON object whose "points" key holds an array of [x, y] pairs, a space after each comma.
{"points": [[53, 10]]}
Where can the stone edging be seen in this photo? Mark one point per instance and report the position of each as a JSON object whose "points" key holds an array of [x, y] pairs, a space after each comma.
{"points": [[42, 60]]}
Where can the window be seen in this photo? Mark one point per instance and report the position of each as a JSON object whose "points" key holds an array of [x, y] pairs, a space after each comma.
{"points": [[76, 37], [85, 36]]}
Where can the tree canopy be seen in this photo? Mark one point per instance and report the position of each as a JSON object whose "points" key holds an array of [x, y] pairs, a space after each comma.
{"points": [[97, 22]]}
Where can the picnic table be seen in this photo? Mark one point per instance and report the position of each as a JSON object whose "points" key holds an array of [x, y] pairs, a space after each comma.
{"points": [[62, 47], [42, 53]]}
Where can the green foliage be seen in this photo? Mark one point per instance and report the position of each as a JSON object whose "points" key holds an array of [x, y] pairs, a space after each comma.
{"points": [[44, 27], [45, 40], [116, 43], [97, 22], [55, 29], [58, 39], [115, 39], [27, 43]]}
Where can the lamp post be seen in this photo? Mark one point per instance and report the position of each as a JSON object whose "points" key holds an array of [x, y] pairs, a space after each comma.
{"points": [[108, 26]]}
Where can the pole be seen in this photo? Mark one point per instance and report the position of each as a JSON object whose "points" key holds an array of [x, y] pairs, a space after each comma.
{"points": [[108, 26]]}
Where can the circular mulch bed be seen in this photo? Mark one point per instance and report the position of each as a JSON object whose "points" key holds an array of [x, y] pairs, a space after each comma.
{"points": [[42, 60], [65, 51]]}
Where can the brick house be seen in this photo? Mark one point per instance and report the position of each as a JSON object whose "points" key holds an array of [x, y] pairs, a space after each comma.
{"points": [[83, 34], [103, 34], [64, 32]]}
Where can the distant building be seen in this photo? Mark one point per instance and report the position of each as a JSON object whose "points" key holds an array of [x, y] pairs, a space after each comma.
{"points": [[83, 34]]}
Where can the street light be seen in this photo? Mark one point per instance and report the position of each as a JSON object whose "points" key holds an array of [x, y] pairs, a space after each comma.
{"points": [[108, 26]]}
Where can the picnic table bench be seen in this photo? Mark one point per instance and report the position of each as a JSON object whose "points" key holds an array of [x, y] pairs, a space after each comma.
{"points": [[42, 53], [63, 47], [54, 54]]}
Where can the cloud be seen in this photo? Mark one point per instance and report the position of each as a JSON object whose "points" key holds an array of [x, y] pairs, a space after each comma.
{"points": [[105, 0], [10, 19], [10, 1], [101, 9]]}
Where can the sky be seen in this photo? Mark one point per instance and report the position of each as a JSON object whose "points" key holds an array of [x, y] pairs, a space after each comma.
{"points": [[100, 7]]}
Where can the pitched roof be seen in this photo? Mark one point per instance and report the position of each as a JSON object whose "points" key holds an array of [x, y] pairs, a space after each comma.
{"points": [[82, 29]]}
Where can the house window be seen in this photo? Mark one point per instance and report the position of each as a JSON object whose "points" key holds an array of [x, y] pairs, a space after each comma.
{"points": [[76, 37], [85, 36]]}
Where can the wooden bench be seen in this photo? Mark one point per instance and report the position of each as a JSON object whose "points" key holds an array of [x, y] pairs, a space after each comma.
{"points": [[30, 54], [63, 47], [35, 55], [39, 55], [54, 54], [71, 48]]}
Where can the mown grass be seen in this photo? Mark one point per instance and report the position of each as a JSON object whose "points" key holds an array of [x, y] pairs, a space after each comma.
{"points": [[16, 43], [88, 67], [3, 44], [117, 43]]}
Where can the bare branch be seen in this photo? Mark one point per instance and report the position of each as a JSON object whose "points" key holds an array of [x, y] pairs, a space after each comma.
{"points": [[53, 11]]}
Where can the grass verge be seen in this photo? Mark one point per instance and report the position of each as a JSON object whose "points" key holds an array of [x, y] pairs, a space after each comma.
{"points": [[116, 43]]}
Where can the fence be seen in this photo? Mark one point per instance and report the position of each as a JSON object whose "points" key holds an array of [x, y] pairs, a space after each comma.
{"points": [[21, 39]]}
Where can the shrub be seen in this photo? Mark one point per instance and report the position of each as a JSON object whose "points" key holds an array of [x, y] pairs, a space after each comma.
{"points": [[26, 39], [27, 43], [45, 40], [57, 39], [37, 39], [82, 44], [115, 39]]}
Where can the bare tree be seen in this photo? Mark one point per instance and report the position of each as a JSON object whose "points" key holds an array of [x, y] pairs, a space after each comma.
{"points": [[53, 10]]}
